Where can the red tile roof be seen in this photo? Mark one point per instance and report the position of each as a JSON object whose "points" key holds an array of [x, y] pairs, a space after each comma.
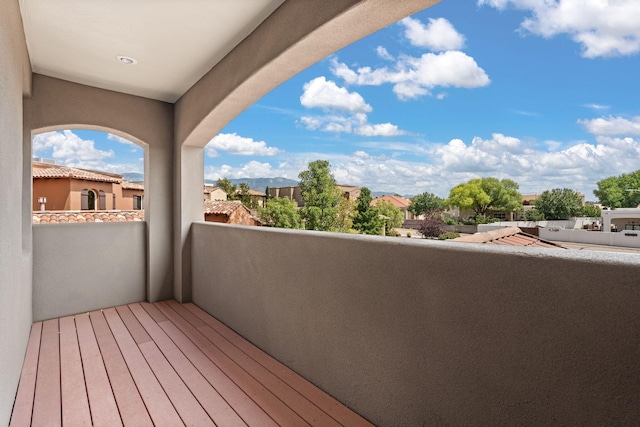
{"points": [[61, 217], [222, 207], [126, 185], [511, 236], [68, 172], [397, 201]]}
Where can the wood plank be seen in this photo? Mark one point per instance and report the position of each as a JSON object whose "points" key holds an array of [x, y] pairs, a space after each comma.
{"points": [[246, 408], [46, 406], [181, 397], [324, 401], [158, 404], [135, 328], [132, 409], [297, 402], [274, 407], [75, 403], [23, 406], [215, 405], [102, 402]]}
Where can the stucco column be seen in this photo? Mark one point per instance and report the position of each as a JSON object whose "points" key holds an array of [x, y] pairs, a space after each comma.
{"points": [[189, 207]]}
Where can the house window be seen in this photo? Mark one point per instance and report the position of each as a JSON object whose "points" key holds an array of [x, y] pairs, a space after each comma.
{"points": [[88, 200], [137, 203], [113, 205]]}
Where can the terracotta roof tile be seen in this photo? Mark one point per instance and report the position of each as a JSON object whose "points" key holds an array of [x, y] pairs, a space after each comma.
{"points": [[511, 236], [68, 172], [222, 207], [399, 202], [56, 217], [126, 185]]}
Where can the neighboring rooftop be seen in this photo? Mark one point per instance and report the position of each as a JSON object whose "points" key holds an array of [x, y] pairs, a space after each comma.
{"points": [[222, 207], [54, 172], [511, 236], [397, 201], [62, 217]]}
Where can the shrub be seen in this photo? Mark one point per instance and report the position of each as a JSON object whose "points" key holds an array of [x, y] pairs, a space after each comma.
{"points": [[448, 235], [432, 226], [408, 234]]}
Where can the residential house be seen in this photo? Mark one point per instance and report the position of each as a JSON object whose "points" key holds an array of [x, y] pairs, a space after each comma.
{"points": [[349, 192], [403, 332], [399, 202], [58, 187], [228, 212], [214, 193]]}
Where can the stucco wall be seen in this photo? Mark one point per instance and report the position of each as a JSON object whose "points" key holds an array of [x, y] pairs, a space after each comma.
{"points": [[628, 238], [414, 332], [15, 259], [104, 266], [58, 104]]}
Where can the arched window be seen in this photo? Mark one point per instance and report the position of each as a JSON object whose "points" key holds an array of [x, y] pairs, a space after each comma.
{"points": [[88, 200]]}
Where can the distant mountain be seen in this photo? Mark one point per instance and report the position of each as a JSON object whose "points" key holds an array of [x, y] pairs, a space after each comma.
{"points": [[375, 194], [260, 184], [133, 177]]}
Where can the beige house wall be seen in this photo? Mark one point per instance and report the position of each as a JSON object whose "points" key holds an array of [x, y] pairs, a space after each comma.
{"points": [[57, 192]]}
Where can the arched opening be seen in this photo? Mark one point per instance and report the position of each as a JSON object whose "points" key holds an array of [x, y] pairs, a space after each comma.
{"points": [[76, 170]]}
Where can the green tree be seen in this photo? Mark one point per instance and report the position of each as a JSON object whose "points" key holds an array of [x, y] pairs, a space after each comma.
{"points": [[591, 211], [425, 203], [394, 215], [559, 203], [280, 212], [533, 215], [228, 188], [367, 218], [344, 217], [619, 191], [482, 194], [244, 195], [321, 197]]}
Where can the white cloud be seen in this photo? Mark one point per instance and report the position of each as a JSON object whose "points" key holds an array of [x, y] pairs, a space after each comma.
{"points": [[602, 27], [325, 94], [413, 77], [121, 140], [384, 54], [346, 111], [597, 106], [233, 143], [438, 35], [612, 126], [356, 124], [68, 148]]}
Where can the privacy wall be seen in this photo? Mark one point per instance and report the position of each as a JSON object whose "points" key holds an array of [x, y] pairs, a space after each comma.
{"points": [[412, 332]]}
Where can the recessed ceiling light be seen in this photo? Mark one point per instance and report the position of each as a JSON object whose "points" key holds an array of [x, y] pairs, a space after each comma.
{"points": [[127, 60]]}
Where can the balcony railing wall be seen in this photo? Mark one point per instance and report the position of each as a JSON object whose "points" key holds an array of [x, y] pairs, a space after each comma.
{"points": [[413, 332], [83, 267]]}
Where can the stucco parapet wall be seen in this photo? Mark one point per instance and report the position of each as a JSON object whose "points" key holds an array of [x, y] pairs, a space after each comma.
{"points": [[294, 37]]}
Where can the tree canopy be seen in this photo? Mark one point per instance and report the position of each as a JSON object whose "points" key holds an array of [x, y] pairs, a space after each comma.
{"points": [[367, 218], [559, 203], [394, 215], [280, 212], [619, 191], [482, 194], [321, 196], [425, 203]]}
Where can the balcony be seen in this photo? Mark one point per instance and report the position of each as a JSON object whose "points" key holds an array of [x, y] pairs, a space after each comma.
{"points": [[403, 332]]}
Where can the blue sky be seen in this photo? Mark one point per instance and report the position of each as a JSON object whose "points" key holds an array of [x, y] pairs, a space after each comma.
{"points": [[542, 92]]}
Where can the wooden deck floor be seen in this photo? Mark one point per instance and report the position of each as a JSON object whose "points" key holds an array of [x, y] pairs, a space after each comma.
{"points": [[163, 364]]}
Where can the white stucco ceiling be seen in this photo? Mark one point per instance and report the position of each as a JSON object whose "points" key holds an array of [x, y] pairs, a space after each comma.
{"points": [[175, 42]]}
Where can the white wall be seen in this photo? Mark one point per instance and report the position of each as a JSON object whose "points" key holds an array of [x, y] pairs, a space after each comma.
{"points": [[416, 332], [15, 284], [104, 266], [625, 238]]}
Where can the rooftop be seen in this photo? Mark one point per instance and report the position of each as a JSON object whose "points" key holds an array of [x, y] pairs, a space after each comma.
{"points": [[61, 217], [511, 236]]}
